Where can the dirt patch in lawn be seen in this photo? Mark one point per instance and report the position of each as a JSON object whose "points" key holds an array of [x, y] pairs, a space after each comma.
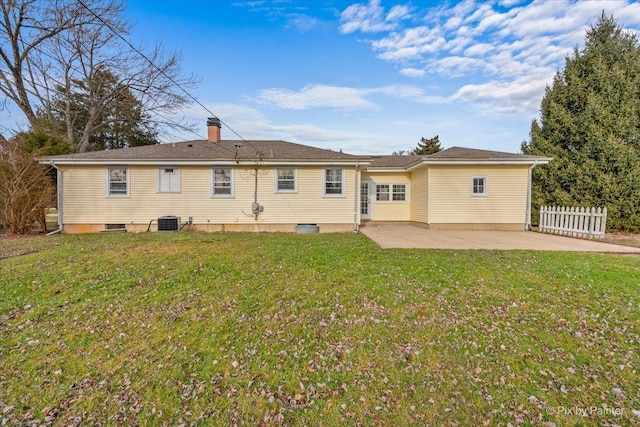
{"points": [[15, 244], [627, 239]]}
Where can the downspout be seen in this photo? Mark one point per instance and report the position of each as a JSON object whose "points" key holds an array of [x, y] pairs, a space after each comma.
{"points": [[255, 208], [59, 197], [527, 220], [355, 199]]}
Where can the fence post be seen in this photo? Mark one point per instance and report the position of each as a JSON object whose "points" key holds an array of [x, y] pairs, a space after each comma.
{"points": [[572, 220], [549, 223], [591, 222]]}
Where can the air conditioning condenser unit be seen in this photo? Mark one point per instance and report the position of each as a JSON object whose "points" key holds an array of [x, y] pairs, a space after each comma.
{"points": [[169, 223]]}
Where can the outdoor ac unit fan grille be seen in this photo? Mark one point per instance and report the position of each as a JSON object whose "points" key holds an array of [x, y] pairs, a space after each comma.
{"points": [[168, 223]]}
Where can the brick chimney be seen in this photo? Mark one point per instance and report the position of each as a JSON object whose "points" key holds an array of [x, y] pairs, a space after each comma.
{"points": [[213, 129]]}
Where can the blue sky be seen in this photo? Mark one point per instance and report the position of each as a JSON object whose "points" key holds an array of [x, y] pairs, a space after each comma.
{"points": [[371, 77]]}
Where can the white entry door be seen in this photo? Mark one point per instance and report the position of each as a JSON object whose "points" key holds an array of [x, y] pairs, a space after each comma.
{"points": [[365, 199]]}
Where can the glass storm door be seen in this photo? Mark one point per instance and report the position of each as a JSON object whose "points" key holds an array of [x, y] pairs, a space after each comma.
{"points": [[365, 199]]}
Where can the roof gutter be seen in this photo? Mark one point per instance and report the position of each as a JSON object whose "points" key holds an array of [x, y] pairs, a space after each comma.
{"points": [[413, 166], [537, 161], [203, 162], [356, 192]]}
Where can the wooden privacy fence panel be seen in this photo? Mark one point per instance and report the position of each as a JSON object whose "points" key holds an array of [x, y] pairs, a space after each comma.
{"points": [[576, 222]]}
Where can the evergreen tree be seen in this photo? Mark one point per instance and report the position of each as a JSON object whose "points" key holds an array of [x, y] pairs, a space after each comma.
{"points": [[120, 122], [590, 125], [40, 143], [428, 146]]}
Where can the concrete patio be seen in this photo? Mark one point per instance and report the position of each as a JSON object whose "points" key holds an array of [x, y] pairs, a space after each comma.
{"points": [[413, 237]]}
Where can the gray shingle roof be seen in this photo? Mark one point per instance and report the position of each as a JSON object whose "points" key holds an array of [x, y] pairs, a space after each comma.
{"points": [[266, 150], [461, 153], [395, 161], [453, 153], [205, 150]]}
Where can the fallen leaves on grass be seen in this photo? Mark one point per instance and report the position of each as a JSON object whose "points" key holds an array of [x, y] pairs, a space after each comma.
{"points": [[268, 330]]}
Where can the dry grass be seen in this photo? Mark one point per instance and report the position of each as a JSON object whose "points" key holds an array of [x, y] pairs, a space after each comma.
{"points": [[627, 239]]}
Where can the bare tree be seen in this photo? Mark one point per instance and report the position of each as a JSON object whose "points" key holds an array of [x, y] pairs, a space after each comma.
{"points": [[25, 27], [62, 50], [25, 191]]}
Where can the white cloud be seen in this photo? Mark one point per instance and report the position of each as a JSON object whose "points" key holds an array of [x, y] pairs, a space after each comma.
{"points": [[456, 66], [314, 133], [314, 96], [292, 15], [509, 3], [411, 93], [370, 18], [518, 96], [452, 23], [303, 23], [341, 97], [479, 49], [252, 124], [629, 14], [498, 45], [412, 43], [397, 13], [412, 72]]}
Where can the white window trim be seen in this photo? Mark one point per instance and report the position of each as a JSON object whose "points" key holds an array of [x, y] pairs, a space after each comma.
{"points": [[213, 183], [176, 170], [108, 179], [376, 192], [406, 192], [295, 180], [486, 186], [324, 183]]}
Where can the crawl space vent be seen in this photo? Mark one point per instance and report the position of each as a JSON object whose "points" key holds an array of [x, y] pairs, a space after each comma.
{"points": [[115, 227]]}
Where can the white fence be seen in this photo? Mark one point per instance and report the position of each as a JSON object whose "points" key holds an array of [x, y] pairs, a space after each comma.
{"points": [[576, 222]]}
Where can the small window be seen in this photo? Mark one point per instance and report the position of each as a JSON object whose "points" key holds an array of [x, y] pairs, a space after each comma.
{"points": [[391, 192], [334, 182], [382, 192], [479, 186], [399, 192], [286, 180], [169, 180], [118, 182], [222, 183]]}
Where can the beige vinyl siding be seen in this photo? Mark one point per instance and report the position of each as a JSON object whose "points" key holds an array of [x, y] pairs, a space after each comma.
{"points": [[85, 199], [420, 195], [450, 199], [391, 210]]}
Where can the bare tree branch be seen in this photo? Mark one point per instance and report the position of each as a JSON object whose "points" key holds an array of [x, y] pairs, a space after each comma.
{"points": [[25, 191], [58, 52]]}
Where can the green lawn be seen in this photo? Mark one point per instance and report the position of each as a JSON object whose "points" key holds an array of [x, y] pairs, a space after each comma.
{"points": [[195, 328]]}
